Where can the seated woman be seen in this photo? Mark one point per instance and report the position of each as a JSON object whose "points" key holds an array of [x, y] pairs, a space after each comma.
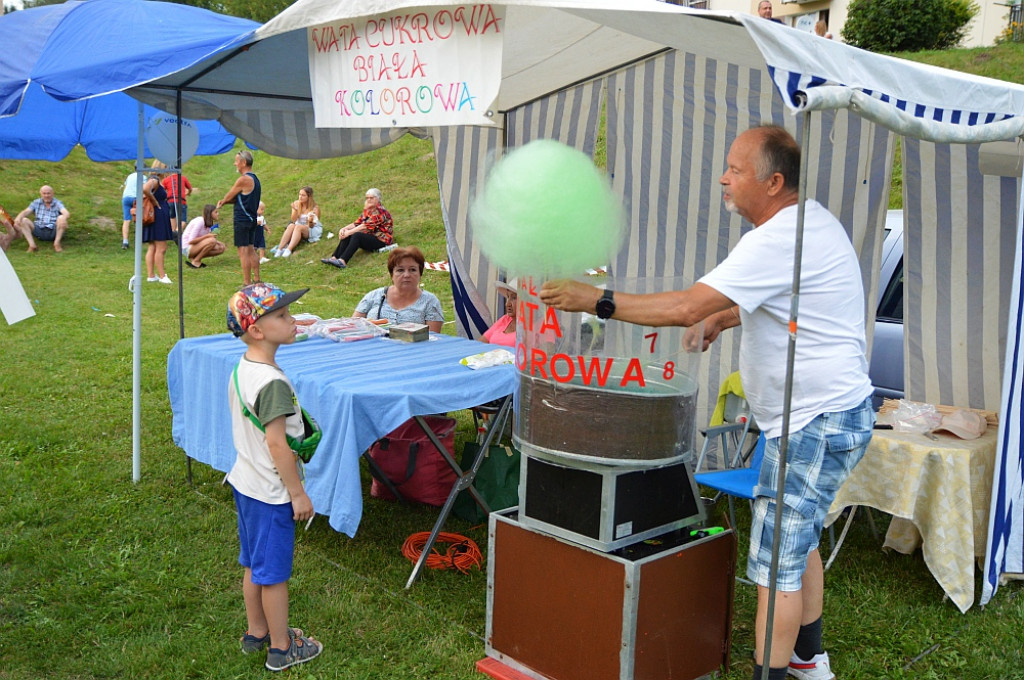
{"points": [[503, 331], [403, 301], [303, 224], [371, 231], [198, 240]]}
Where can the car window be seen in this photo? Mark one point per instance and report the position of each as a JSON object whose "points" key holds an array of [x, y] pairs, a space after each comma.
{"points": [[890, 307]]}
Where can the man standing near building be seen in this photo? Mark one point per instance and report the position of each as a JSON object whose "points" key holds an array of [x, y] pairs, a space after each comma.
{"points": [[764, 10], [830, 416], [49, 220], [245, 194]]}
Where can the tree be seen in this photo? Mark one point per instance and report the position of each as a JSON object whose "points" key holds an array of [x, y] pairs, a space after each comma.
{"points": [[907, 25]]}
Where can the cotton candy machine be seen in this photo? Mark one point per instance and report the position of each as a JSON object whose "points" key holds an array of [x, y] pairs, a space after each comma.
{"points": [[601, 392], [612, 424]]}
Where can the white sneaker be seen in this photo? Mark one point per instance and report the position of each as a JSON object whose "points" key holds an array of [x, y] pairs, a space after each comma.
{"points": [[815, 669], [164, 279], [277, 253], [152, 279], [286, 253], [264, 260]]}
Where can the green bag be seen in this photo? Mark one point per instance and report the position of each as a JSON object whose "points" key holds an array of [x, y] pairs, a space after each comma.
{"points": [[497, 481], [305, 447]]}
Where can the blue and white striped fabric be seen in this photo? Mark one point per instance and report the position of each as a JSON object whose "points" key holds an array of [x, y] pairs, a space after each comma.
{"points": [[1005, 551], [671, 120], [800, 61], [465, 155]]}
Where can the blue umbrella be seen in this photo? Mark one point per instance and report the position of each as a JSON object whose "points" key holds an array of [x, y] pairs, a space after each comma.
{"points": [[103, 46], [46, 129]]}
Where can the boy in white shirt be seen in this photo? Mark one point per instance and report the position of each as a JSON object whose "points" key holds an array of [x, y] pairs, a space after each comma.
{"points": [[268, 490]]}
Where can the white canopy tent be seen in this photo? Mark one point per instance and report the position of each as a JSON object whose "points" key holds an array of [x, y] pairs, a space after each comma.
{"points": [[678, 86]]}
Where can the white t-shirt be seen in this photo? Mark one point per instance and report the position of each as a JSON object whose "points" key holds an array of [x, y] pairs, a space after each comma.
{"points": [[129, 185], [831, 368], [253, 473]]}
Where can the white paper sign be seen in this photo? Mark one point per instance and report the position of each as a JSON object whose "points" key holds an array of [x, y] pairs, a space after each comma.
{"points": [[411, 68], [13, 301]]}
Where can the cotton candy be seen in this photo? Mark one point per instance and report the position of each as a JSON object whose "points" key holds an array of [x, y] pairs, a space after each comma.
{"points": [[545, 210]]}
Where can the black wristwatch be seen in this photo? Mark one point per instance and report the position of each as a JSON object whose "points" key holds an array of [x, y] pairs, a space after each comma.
{"points": [[606, 305]]}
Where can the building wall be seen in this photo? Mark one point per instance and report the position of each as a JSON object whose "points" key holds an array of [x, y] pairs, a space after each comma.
{"points": [[987, 25]]}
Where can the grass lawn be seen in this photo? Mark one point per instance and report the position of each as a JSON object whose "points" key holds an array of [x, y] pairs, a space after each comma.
{"points": [[141, 580]]}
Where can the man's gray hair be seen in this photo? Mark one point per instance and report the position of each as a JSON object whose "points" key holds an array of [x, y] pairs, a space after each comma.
{"points": [[779, 153], [246, 156], [373, 191]]}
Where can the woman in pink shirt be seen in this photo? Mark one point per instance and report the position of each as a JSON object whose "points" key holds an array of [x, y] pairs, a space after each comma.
{"points": [[503, 331]]}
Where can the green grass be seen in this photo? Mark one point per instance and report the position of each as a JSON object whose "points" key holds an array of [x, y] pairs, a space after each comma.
{"points": [[103, 578]]}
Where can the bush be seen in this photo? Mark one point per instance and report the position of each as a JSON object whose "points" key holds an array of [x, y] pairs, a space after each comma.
{"points": [[907, 25]]}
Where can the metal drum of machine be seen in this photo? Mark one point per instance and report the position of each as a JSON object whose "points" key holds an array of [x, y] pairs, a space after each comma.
{"points": [[605, 420], [601, 391]]}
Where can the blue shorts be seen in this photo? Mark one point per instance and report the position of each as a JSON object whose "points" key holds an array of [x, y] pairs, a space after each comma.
{"points": [[126, 207], [44, 233], [819, 459], [267, 537], [259, 239], [179, 211]]}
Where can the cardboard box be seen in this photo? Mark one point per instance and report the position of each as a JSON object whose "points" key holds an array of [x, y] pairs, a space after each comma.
{"points": [[409, 332]]}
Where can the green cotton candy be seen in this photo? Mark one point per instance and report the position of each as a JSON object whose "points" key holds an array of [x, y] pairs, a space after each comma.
{"points": [[546, 210]]}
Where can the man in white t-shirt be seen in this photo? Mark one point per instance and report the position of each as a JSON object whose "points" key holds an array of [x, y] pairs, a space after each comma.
{"points": [[831, 416]]}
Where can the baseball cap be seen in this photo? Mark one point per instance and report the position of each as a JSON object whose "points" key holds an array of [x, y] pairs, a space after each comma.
{"points": [[247, 305], [964, 424], [511, 285]]}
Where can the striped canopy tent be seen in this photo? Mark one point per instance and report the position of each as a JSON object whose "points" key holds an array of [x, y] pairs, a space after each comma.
{"points": [[676, 86]]}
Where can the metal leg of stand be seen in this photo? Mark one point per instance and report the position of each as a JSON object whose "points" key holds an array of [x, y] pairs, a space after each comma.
{"points": [[465, 482]]}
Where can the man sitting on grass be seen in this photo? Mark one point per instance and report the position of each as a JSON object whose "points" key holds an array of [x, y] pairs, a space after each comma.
{"points": [[50, 220]]}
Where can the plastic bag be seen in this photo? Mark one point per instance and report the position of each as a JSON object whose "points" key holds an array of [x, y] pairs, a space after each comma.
{"points": [[912, 416], [345, 329], [494, 357]]}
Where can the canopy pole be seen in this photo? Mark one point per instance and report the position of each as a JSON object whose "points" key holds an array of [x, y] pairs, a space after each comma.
{"points": [[135, 284], [787, 403], [181, 225], [181, 274]]}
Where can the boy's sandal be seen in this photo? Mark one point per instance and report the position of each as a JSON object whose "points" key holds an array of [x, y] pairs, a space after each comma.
{"points": [[302, 649], [194, 266], [251, 643]]}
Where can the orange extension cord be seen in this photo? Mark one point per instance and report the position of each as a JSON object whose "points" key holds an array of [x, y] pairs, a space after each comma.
{"points": [[462, 553]]}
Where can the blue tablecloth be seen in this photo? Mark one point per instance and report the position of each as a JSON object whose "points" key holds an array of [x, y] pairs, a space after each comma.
{"points": [[357, 391]]}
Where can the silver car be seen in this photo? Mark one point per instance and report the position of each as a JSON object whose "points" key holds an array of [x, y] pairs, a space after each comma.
{"points": [[887, 350]]}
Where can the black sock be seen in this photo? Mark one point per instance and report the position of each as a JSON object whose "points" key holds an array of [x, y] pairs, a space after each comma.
{"points": [[808, 641], [773, 673]]}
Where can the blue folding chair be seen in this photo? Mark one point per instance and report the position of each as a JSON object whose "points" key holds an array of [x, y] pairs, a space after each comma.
{"points": [[739, 481]]}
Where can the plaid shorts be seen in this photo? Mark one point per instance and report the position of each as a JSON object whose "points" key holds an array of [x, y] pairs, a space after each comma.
{"points": [[819, 459]]}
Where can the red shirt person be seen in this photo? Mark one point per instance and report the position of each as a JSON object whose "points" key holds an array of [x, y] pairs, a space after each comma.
{"points": [[179, 207]]}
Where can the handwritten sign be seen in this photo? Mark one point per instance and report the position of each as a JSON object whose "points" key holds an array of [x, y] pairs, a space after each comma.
{"points": [[412, 68]]}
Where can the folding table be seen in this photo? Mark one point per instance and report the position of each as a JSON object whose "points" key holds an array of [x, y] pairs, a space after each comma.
{"points": [[357, 391]]}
